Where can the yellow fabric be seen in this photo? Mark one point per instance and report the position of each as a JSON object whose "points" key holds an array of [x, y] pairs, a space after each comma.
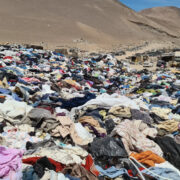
{"points": [[169, 125]]}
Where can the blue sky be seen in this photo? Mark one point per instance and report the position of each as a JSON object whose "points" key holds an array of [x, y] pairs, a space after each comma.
{"points": [[142, 4]]}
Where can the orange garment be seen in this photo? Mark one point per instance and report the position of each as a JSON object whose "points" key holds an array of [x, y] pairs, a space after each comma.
{"points": [[148, 158]]}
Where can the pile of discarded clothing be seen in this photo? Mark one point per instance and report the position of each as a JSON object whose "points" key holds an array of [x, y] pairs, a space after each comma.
{"points": [[69, 118]]}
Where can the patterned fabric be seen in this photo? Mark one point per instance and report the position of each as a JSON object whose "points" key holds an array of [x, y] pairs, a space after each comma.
{"points": [[134, 136]]}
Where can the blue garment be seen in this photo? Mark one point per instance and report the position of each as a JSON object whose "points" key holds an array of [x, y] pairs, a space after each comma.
{"points": [[144, 77], [169, 106], [29, 174], [16, 97], [177, 95], [113, 172], [126, 86], [15, 71], [36, 104], [164, 172], [22, 81], [5, 91]]}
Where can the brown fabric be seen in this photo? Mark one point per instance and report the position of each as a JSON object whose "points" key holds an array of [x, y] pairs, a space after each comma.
{"points": [[67, 127], [120, 111], [79, 172], [90, 120]]}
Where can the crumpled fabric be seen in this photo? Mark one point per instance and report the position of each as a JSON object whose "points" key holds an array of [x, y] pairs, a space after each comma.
{"points": [[83, 133], [52, 175], [90, 166], [14, 175], [120, 111], [174, 117], [14, 111], [107, 150], [168, 165], [18, 139], [76, 101], [25, 128], [41, 119], [148, 158], [68, 155], [29, 174], [112, 172], [134, 136], [107, 101], [79, 172], [169, 125], [92, 122], [161, 112], [10, 160], [166, 173], [67, 127], [171, 150], [141, 115]]}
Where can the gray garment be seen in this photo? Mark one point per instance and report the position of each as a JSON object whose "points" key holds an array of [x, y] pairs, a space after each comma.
{"points": [[32, 147], [42, 119], [141, 115]]}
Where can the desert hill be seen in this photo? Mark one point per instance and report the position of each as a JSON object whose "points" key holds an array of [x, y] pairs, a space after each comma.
{"points": [[96, 21]]}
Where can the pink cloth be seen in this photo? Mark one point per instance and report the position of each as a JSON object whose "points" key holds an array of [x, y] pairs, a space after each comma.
{"points": [[30, 80], [10, 160]]}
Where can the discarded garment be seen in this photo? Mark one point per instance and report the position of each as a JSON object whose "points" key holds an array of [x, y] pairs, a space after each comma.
{"points": [[148, 158], [10, 160], [134, 136]]}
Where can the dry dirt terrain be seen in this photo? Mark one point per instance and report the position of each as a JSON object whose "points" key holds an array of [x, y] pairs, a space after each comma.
{"points": [[97, 22]]}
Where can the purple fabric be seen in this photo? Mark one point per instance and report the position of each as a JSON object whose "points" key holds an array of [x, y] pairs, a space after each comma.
{"points": [[10, 160], [94, 130]]}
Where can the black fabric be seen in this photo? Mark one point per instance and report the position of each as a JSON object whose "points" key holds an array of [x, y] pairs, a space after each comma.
{"points": [[170, 149], [77, 101], [160, 103], [107, 151], [2, 125], [45, 143], [154, 86], [94, 113], [41, 164], [156, 118], [109, 124], [176, 110]]}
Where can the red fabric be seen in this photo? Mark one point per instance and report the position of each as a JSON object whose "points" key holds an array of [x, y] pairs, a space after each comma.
{"points": [[32, 161], [131, 174], [90, 166], [12, 80], [7, 57]]}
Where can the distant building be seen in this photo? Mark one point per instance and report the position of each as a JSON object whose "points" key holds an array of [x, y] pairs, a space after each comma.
{"points": [[139, 58]]}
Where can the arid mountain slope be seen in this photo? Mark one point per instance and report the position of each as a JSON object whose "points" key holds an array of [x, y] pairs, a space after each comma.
{"points": [[168, 17], [62, 21]]}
